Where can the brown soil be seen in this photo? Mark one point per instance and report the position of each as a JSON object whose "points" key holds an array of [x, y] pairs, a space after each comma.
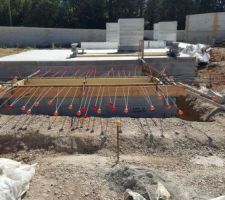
{"points": [[217, 70]]}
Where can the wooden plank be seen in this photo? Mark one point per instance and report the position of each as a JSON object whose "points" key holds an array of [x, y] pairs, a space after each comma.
{"points": [[89, 81], [69, 92]]}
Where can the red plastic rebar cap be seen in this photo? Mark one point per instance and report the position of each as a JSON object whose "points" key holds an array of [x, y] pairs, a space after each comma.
{"points": [[70, 106], [168, 106], [78, 113], [83, 110], [23, 108], [29, 111], [9, 107], [99, 111], [160, 97], [180, 112], [86, 116], [56, 113], [152, 108], [37, 104], [126, 110], [110, 104], [50, 103]]}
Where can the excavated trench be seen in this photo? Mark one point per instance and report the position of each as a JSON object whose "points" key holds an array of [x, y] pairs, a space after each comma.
{"points": [[84, 142]]}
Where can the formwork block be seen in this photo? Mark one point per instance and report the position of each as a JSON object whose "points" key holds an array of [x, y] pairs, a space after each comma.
{"points": [[112, 32], [156, 31], [131, 31], [154, 44], [166, 31], [99, 45]]}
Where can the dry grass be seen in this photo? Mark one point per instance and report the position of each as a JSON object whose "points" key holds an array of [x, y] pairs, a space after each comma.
{"points": [[10, 51]]}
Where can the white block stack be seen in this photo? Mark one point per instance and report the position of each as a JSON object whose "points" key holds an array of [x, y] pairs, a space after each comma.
{"points": [[131, 31], [112, 32]]}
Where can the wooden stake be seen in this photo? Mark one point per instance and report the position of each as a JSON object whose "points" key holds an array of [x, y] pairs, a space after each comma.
{"points": [[118, 131]]}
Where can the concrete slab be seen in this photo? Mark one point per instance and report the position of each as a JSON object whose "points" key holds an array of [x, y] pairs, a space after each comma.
{"points": [[64, 55], [26, 63]]}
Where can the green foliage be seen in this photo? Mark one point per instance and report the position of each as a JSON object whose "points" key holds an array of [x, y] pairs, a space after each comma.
{"points": [[95, 13]]}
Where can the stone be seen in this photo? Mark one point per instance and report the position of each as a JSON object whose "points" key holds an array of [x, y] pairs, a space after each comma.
{"points": [[162, 193], [129, 194]]}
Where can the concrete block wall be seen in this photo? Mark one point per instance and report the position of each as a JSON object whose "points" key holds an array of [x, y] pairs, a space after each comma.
{"points": [[131, 31], [112, 32]]}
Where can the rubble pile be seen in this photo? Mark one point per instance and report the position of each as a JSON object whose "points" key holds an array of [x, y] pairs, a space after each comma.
{"points": [[217, 54]]}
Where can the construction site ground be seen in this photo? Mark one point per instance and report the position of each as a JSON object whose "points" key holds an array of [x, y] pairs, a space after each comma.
{"points": [[186, 155]]}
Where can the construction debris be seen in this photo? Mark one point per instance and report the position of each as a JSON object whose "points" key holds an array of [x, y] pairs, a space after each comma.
{"points": [[217, 54], [199, 51]]}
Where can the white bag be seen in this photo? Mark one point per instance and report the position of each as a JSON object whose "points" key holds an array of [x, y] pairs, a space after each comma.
{"points": [[14, 179]]}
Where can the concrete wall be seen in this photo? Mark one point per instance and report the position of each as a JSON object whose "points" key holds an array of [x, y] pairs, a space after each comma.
{"points": [[44, 37], [206, 22], [179, 68], [205, 28]]}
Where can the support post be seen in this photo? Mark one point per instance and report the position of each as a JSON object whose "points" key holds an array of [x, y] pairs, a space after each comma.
{"points": [[118, 131]]}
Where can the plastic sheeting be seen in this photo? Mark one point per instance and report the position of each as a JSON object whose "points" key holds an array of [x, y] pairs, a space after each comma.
{"points": [[14, 179], [199, 51]]}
